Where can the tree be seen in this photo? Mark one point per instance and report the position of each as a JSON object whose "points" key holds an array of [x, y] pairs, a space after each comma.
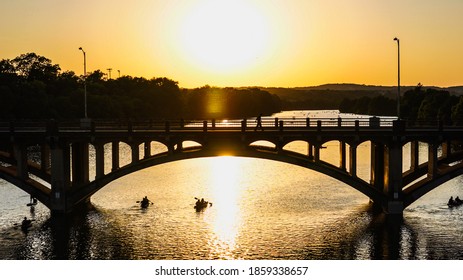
{"points": [[411, 102], [433, 105], [457, 112], [31, 66]]}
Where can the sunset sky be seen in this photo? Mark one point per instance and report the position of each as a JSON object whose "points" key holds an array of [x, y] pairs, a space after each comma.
{"points": [[283, 43]]}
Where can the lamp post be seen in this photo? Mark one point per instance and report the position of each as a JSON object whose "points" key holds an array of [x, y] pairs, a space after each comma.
{"points": [[85, 81], [398, 77], [109, 73]]}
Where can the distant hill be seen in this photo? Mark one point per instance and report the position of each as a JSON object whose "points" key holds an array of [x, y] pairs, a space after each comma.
{"points": [[457, 90], [330, 96], [352, 87], [347, 87]]}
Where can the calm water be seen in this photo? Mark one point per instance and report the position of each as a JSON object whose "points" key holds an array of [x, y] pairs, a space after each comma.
{"points": [[261, 210]]}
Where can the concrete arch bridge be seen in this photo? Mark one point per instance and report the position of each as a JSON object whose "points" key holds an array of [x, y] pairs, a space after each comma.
{"points": [[50, 160]]}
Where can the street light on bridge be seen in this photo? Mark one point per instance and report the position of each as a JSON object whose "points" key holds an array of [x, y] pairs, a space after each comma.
{"points": [[85, 81], [398, 77]]}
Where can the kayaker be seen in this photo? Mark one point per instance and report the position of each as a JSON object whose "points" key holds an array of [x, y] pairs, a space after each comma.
{"points": [[25, 223], [458, 200]]}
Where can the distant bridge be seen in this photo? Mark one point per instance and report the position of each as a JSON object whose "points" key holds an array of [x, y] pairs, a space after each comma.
{"points": [[50, 160]]}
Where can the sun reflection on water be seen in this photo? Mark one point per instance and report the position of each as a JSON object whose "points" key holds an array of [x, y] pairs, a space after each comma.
{"points": [[227, 192]]}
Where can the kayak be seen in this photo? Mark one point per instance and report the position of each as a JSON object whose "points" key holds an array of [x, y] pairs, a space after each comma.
{"points": [[200, 205], [454, 204]]}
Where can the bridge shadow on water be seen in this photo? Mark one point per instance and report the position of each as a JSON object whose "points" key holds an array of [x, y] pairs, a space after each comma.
{"points": [[369, 234], [83, 236], [94, 234], [366, 233]]}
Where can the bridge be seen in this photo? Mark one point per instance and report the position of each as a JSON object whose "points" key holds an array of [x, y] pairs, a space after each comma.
{"points": [[50, 160]]}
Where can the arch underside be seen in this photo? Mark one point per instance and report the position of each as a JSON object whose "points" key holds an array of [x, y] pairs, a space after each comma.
{"points": [[8, 172], [260, 152], [29, 185], [445, 173]]}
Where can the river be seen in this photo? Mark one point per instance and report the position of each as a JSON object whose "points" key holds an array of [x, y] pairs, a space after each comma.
{"points": [[261, 210]]}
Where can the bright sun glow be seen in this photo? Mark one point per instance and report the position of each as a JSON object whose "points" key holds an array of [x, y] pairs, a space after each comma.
{"points": [[224, 35]]}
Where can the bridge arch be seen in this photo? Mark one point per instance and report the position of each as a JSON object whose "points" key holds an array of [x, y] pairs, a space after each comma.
{"points": [[259, 152]]}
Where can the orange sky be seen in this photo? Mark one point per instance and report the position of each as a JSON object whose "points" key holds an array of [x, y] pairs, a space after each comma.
{"points": [[282, 43]]}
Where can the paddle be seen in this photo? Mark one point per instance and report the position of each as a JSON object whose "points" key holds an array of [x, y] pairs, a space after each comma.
{"points": [[16, 225]]}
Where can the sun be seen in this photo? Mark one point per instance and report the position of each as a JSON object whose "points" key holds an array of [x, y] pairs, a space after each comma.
{"points": [[224, 35]]}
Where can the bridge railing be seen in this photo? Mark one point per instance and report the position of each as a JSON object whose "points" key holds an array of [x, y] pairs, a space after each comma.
{"points": [[268, 124], [23, 126]]}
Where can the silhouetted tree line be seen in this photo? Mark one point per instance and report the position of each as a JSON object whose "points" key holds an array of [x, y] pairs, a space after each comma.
{"points": [[417, 105], [31, 86], [320, 98], [378, 105], [212, 102]]}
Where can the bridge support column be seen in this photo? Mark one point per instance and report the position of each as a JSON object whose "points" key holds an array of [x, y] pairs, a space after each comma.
{"points": [[80, 165], [99, 162], [20, 155], [377, 166], [171, 148], [135, 152], [44, 157], [393, 178], [446, 149], [115, 155], [342, 155], [414, 155], [310, 151], [179, 145], [317, 153], [432, 160], [353, 160], [60, 177], [147, 149]]}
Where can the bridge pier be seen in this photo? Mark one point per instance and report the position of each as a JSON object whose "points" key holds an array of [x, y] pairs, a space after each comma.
{"points": [[60, 177], [71, 161], [393, 178]]}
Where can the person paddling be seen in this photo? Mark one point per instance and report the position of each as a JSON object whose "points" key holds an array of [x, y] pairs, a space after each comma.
{"points": [[145, 202], [458, 200], [26, 223]]}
